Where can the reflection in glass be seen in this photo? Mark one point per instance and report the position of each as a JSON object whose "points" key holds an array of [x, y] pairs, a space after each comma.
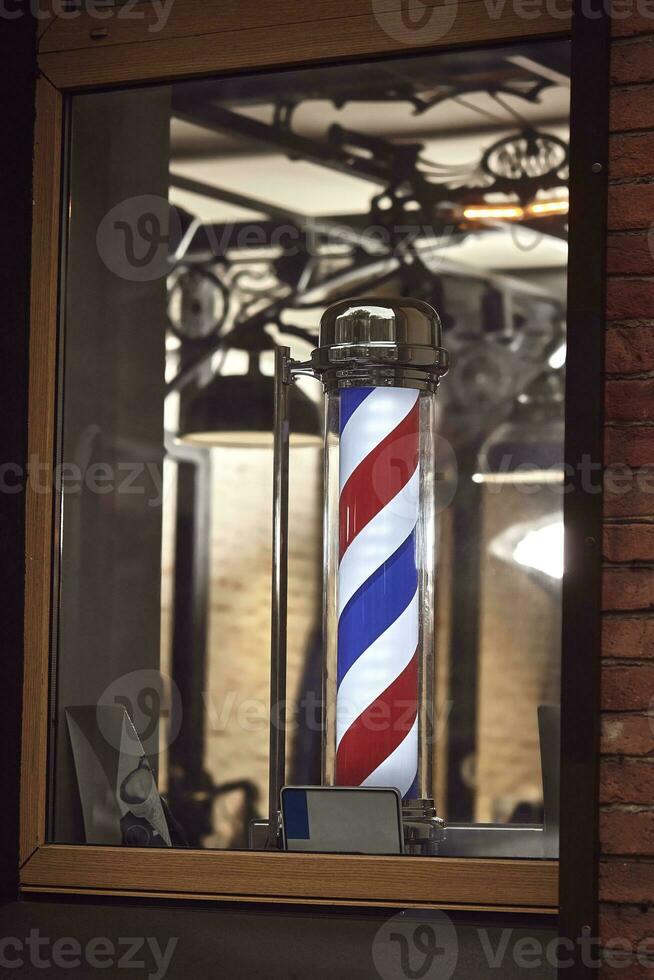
{"points": [[211, 221]]}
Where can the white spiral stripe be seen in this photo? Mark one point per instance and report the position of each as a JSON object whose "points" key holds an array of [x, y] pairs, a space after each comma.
{"points": [[375, 418], [378, 540], [376, 669], [401, 766]]}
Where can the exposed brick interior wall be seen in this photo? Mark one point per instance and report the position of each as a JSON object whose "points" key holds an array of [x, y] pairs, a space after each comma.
{"points": [[627, 765]]}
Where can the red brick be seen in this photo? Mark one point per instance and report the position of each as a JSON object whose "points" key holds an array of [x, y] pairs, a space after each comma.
{"points": [[630, 253], [628, 298], [628, 542], [627, 832], [632, 108], [632, 970], [630, 206], [633, 923], [627, 781], [631, 155], [628, 636], [628, 688], [630, 349], [626, 881], [631, 735], [629, 445], [627, 588], [630, 400], [628, 492], [632, 17], [632, 62]]}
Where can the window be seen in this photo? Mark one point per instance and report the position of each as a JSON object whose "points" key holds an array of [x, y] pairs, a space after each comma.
{"points": [[208, 222]]}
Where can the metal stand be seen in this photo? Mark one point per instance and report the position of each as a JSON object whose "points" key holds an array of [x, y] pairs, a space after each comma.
{"points": [[277, 761]]}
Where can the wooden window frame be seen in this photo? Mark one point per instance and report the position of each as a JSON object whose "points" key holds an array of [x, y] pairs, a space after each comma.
{"points": [[200, 39]]}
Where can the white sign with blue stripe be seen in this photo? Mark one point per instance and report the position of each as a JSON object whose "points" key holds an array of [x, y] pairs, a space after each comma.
{"points": [[342, 820]]}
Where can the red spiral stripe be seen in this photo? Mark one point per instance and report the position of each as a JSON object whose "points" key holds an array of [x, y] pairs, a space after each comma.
{"points": [[379, 477]]}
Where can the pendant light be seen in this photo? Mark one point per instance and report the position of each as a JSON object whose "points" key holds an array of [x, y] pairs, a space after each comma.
{"points": [[236, 410]]}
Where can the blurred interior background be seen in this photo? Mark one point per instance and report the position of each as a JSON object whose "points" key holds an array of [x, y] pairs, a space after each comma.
{"points": [[441, 177]]}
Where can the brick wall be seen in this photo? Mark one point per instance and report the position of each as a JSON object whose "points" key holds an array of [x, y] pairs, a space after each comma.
{"points": [[627, 765]]}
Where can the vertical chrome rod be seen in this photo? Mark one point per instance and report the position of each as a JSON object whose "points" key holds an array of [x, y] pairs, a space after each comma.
{"points": [[277, 762]]}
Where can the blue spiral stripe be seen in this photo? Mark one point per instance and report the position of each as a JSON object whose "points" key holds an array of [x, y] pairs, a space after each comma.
{"points": [[377, 604], [350, 399], [412, 792]]}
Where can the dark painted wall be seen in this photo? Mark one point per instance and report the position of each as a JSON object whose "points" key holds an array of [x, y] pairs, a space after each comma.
{"points": [[17, 70], [266, 943]]}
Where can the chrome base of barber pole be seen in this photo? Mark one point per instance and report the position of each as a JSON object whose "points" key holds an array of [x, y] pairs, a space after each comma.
{"points": [[424, 830]]}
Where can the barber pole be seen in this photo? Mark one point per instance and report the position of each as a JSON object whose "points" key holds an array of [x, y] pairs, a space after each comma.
{"points": [[380, 361], [378, 626]]}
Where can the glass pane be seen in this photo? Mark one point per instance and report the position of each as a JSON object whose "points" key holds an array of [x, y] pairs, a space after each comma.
{"points": [[208, 223]]}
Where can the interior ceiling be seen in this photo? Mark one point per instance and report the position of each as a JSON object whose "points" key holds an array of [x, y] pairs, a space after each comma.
{"points": [[477, 114], [391, 100]]}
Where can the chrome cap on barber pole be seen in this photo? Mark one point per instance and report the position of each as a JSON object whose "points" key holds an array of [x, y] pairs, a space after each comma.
{"points": [[381, 342]]}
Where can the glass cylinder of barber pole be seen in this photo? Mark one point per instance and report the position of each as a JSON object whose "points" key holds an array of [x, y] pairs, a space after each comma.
{"points": [[380, 361]]}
